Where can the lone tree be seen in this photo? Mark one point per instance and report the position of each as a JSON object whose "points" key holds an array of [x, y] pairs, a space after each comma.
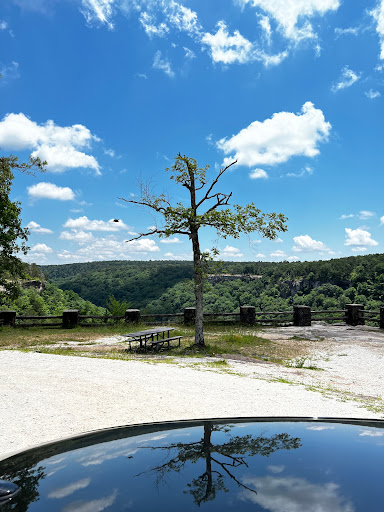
{"points": [[187, 220], [13, 236]]}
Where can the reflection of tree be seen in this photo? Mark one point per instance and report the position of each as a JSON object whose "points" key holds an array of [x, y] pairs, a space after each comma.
{"points": [[28, 480], [221, 460]]}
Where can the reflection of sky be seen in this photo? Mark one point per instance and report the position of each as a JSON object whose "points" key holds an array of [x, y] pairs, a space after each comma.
{"points": [[292, 494], [275, 469], [372, 433], [97, 505], [321, 427], [69, 489]]}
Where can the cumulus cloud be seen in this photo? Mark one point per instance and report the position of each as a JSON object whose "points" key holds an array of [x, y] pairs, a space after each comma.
{"points": [[83, 223], [305, 243], [77, 236], [366, 214], [378, 16], [258, 174], [346, 216], [174, 240], [293, 17], [162, 64], [277, 139], [371, 94], [348, 77], [43, 248], [44, 190], [57, 144], [229, 49], [226, 48], [359, 237], [34, 227], [278, 254], [260, 255], [231, 252]]}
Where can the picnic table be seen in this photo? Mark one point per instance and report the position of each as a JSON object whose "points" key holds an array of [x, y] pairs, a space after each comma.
{"points": [[152, 338]]}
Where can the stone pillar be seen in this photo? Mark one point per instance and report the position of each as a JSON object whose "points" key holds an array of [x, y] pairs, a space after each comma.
{"points": [[132, 316], [189, 315], [248, 315], [70, 318], [381, 324], [353, 314], [8, 317], [302, 316]]}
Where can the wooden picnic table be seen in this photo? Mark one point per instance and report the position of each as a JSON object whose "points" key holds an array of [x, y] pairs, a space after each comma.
{"points": [[155, 338]]}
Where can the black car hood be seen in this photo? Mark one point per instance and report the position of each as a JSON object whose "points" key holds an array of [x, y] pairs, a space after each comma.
{"points": [[258, 464]]}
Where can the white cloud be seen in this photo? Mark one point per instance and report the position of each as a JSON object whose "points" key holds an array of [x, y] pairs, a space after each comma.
{"points": [[353, 31], [345, 216], [98, 11], [382, 220], [43, 248], [183, 18], [189, 54], [295, 494], [378, 16], [305, 243], [278, 241], [366, 214], [162, 64], [9, 72], [36, 228], [258, 174], [293, 258], [231, 252], [371, 433], [359, 249], [226, 48], [58, 145], [260, 255], [277, 139], [371, 94], [236, 48], [265, 24], [171, 241], [142, 245], [77, 236], [348, 78], [151, 29], [278, 254], [109, 152], [46, 190], [293, 16], [359, 237], [304, 172], [83, 223], [3, 25]]}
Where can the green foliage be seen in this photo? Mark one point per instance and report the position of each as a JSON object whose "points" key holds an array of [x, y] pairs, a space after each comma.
{"points": [[13, 236], [116, 307], [51, 301], [167, 287]]}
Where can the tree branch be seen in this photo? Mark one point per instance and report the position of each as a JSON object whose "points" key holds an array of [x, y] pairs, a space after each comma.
{"points": [[222, 171]]}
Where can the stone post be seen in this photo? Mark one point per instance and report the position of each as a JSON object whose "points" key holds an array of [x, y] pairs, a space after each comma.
{"points": [[381, 321], [70, 318], [132, 316], [248, 315], [353, 314], [189, 315], [302, 316], [8, 317]]}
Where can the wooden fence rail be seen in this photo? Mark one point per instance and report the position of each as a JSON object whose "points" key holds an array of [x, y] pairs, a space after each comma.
{"points": [[353, 314]]}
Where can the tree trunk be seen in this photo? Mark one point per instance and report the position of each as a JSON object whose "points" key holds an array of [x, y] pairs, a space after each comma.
{"points": [[198, 285]]}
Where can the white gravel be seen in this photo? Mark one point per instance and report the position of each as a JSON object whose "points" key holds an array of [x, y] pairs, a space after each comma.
{"points": [[46, 397]]}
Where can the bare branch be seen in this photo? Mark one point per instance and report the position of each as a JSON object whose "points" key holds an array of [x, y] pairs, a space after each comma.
{"points": [[222, 171], [159, 209], [157, 232], [220, 202]]}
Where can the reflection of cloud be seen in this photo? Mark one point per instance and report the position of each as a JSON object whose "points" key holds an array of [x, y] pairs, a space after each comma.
{"points": [[321, 427], [371, 433], [276, 469], [101, 456], [62, 492], [293, 494], [91, 506]]}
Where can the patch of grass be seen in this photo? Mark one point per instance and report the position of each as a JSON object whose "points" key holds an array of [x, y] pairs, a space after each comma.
{"points": [[222, 363], [301, 363], [283, 381]]}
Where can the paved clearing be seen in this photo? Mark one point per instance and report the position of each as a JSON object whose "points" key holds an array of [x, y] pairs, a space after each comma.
{"points": [[46, 397]]}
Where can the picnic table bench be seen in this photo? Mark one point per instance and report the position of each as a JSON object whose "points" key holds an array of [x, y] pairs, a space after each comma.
{"points": [[152, 338]]}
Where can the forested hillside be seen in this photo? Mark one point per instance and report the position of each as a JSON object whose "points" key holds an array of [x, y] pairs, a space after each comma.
{"points": [[166, 287]]}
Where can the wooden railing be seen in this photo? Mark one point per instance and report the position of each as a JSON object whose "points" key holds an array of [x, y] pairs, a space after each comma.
{"points": [[353, 314]]}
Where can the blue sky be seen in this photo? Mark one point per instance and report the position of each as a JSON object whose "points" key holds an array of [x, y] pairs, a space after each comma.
{"points": [[109, 91]]}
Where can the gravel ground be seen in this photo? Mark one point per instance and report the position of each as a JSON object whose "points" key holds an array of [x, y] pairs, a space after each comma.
{"points": [[46, 397]]}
